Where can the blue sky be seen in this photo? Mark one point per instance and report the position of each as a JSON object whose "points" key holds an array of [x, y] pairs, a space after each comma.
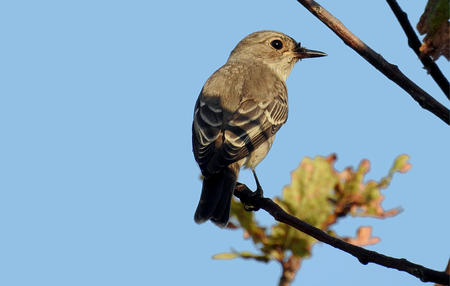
{"points": [[98, 184]]}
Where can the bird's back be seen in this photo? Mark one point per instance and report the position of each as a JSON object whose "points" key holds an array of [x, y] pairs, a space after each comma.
{"points": [[241, 105]]}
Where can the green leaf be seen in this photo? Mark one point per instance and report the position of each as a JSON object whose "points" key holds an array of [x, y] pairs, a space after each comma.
{"points": [[225, 255], [311, 187], [437, 12], [243, 254], [247, 221], [400, 163]]}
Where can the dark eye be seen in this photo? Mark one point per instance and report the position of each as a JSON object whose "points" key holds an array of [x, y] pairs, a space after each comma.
{"points": [[276, 44]]}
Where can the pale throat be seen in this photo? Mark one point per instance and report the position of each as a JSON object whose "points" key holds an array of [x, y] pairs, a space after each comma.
{"points": [[283, 69]]}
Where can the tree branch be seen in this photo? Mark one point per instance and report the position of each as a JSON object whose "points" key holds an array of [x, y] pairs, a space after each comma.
{"points": [[364, 256], [290, 268], [389, 70], [414, 43]]}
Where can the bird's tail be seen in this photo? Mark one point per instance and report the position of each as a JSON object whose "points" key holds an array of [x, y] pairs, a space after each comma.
{"points": [[215, 201]]}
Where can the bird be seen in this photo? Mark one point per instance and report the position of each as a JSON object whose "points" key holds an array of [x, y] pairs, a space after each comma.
{"points": [[240, 108]]}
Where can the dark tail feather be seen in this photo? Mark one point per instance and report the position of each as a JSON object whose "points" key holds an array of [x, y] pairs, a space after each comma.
{"points": [[215, 201], [221, 214]]}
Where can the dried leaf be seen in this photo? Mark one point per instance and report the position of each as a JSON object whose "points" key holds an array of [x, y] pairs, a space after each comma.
{"points": [[434, 23], [363, 237]]}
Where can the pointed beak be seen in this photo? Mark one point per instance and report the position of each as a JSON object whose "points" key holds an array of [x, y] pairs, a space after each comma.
{"points": [[303, 53]]}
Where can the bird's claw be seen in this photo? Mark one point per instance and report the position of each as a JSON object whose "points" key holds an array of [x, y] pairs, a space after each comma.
{"points": [[257, 194]]}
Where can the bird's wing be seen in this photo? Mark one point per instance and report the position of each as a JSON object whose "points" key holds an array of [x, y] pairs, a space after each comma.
{"points": [[217, 144], [206, 130], [252, 124]]}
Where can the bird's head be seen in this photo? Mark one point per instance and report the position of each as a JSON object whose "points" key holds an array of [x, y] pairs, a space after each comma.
{"points": [[277, 50]]}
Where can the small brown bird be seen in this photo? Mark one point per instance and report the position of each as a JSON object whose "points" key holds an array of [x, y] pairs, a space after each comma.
{"points": [[239, 110]]}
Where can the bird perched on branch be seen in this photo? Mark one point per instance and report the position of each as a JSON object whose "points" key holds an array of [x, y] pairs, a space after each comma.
{"points": [[239, 110]]}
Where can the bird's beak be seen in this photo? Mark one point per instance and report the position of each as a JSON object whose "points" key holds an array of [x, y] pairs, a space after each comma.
{"points": [[303, 53]]}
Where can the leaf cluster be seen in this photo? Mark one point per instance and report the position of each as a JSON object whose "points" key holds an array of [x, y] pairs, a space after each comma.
{"points": [[319, 195]]}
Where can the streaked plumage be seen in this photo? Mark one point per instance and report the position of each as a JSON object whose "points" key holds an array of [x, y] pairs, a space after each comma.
{"points": [[239, 110]]}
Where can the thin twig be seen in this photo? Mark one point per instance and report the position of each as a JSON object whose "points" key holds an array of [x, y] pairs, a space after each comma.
{"points": [[414, 43], [364, 256], [290, 269], [389, 70]]}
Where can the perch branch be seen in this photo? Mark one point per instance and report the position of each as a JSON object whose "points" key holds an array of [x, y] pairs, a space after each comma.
{"points": [[364, 256], [391, 71]]}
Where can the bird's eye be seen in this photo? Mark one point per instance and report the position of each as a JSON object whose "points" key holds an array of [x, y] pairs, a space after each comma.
{"points": [[276, 44]]}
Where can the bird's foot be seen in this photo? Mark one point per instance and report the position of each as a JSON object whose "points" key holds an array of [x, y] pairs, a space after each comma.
{"points": [[257, 194]]}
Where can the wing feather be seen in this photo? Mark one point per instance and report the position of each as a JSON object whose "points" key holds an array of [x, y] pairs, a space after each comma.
{"points": [[222, 137]]}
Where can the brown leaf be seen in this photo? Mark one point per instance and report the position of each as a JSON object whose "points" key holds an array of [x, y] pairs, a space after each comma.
{"points": [[434, 23], [437, 44], [363, 237], [332, 158]]}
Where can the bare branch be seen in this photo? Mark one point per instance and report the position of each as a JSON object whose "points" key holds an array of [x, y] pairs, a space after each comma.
{"points": [[414, 43], [364, 256], [389, 70], [290, 268]]}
